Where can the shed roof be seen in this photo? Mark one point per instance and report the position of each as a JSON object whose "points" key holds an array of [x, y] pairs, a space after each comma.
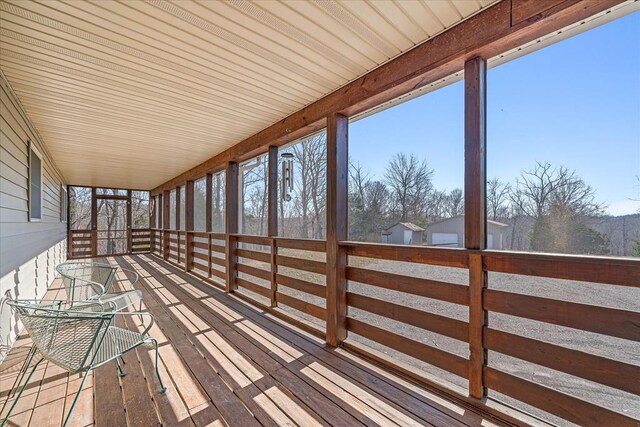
{"points": [[458, 217], [408, 225]]}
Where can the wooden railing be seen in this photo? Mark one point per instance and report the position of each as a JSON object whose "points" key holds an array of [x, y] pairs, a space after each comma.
{"points": [[80, 243], [286, 276]]}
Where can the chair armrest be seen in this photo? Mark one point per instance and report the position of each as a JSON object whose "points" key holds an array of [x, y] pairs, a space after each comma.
{"points": [[144, 314], [132, 279], [84, 290], [120, 300]]}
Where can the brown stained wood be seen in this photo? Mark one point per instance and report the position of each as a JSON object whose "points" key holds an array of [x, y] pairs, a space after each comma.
{"points": [[231, 225], [165, 223], [94, 222], [254, 255], [253, 240], [110, 411], [432, 322], [337, 219], [601, 320], [249, 285], [253, 271], [273, 274], [606, 270], [302, 244], [478, 320], [288, 376], [444, 360], [189, 222], [457, 294], [487, 34], [425, 408], [272, 192], [303, 306], [302, 285], [129, 221], [446, 257], [208, 201], [317, 267], [595, 368], [563, 405], [522, 10], [475, 158]]}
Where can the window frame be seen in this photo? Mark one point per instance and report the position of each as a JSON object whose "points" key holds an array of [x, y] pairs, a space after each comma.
{"points": [[33, 150]]}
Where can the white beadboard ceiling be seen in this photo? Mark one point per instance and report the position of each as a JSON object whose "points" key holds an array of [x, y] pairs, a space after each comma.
{"points": [[132, 93]]}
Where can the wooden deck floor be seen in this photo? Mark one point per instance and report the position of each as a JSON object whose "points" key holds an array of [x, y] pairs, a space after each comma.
{"points": [[225, 363]]}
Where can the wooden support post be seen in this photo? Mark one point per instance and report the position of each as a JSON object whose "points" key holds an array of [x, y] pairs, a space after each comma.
{"points": [[129, 223], [475, 215], [94, 222], [153, 213], [178, 218], [166, 197], [272, 217], [69, 242], [208, 201], [189, 222], [337, 192], [231, 225]]}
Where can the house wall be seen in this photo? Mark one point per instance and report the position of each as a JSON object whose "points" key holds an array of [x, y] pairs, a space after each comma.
{"points": [[397, 236], [456, 225], [29, 251]]}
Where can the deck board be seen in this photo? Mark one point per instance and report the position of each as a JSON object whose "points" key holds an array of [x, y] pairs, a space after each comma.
{"points": [[226, 363]]}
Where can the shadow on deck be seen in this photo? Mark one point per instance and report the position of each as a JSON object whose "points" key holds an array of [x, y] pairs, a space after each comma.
{"points": [[225, 363]]}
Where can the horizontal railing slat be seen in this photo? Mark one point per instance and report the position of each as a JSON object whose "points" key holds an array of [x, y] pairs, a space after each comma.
{"points": [[302, 285], [449, 257], [302, 264], [444, 360], [592, 318], [555, 402], [612, 271], [254, 255], [261, 290], [253, 271], [584, 365], [303, 306], [443, 291], [302, 244], [432, 322]]}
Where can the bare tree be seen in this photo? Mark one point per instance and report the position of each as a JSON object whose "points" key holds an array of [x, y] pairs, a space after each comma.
{"points": [[409, 181], [454, 203], [497, 198]]}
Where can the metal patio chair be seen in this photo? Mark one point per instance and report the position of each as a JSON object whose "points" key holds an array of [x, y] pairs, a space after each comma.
{"points": [[78, 337], [94, 281]]}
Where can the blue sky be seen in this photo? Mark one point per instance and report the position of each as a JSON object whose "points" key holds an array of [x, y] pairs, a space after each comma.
{"points": [[575, 103]]}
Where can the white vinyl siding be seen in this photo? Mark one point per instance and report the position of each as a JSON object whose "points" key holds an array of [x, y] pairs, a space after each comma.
{"points": [[29, 250]]}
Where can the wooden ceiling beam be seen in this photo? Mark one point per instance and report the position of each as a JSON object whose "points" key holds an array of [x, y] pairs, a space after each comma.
{"points": [[499, 28]]}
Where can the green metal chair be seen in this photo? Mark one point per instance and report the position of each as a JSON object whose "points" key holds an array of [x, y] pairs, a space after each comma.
{"points": [[78, 337], [94, 282]]}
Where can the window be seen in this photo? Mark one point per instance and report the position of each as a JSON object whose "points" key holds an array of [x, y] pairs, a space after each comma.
{"points": [[182, 207], [411, 185], [218, 202], [563, 167], [253, 199], [80, 200], [172, 210], [63, 203], [200, 204], [35, 184], [302, 188], [140, 209]]}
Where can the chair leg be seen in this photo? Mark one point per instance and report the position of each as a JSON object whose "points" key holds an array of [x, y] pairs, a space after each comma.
{"points": [[121, 371], [75, 399], [23, 370], [13, 405], [162, 387]]}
